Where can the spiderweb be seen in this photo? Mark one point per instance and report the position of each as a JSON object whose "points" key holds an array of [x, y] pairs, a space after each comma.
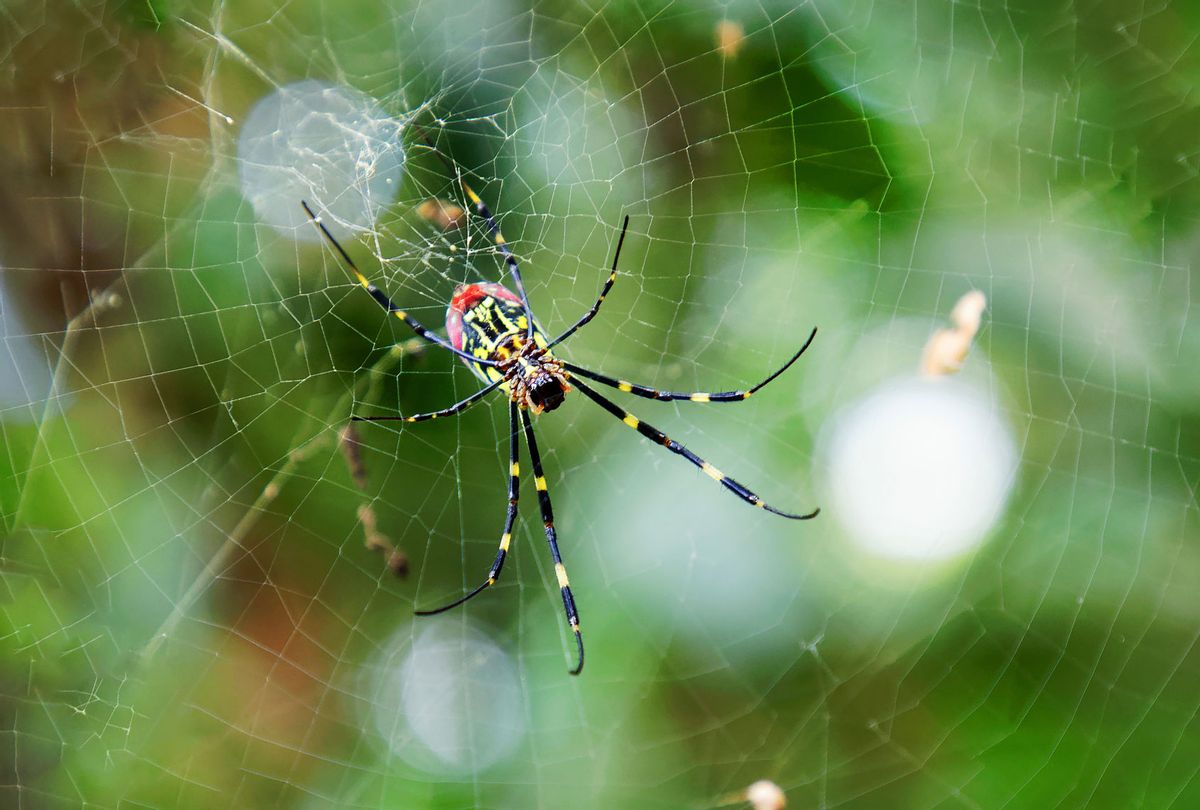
{"points": [[997, 607]]}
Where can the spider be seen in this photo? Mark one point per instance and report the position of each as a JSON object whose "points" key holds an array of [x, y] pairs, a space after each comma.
{"points": [[493, 331]]}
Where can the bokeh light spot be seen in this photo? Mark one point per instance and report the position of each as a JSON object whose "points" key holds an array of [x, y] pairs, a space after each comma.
{"points": [[450, 701], [332, 146], [919, 469]]}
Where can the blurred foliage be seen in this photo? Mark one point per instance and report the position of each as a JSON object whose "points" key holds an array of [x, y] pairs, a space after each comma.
{"points": [[855, 164]]}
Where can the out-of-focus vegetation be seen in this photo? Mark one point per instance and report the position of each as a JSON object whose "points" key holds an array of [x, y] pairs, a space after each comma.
{"points": [[188, 614]]}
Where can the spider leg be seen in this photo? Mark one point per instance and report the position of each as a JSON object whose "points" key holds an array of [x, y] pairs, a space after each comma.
{"points": [[658, 437], [457, 407], [382, 299], [696, 396], [612, 277], [514, 482], [539, 480], [493, 228]]}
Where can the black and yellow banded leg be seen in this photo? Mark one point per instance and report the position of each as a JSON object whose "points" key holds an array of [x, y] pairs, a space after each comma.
{"points": [[514, 488], [693, 396], [457, 407], [658, 437], [612, 277], [382, 299], [560, 571], [493, 229], [502, 245]]}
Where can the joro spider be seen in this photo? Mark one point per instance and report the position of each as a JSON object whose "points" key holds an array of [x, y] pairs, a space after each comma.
{"points": [[491, 329]]}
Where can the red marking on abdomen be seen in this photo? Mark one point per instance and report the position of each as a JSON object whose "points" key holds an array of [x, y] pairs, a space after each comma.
{"points": [[467, 296]]}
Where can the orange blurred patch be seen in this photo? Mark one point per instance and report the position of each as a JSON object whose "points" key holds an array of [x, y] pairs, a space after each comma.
{"points": [[729, 37], [444, 215]]}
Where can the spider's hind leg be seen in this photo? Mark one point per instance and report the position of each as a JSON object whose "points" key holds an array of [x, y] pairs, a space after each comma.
{"points": [[658, 437], [514, 487], [560, 570]]}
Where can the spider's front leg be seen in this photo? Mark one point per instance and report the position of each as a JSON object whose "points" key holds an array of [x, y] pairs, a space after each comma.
{"points": [[695, 396], [612, 277], [381, 297]]}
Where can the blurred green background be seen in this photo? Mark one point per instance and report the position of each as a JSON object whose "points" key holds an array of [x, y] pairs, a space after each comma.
{"points": [[188, 614]]}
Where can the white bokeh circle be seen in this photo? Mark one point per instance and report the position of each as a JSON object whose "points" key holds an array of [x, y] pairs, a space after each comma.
{"points": [[329, 145], [450, 701], [919, 469]]}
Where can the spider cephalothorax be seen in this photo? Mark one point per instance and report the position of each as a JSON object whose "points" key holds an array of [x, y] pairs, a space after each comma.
{"points": [[535, 378], [492, 329]]}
